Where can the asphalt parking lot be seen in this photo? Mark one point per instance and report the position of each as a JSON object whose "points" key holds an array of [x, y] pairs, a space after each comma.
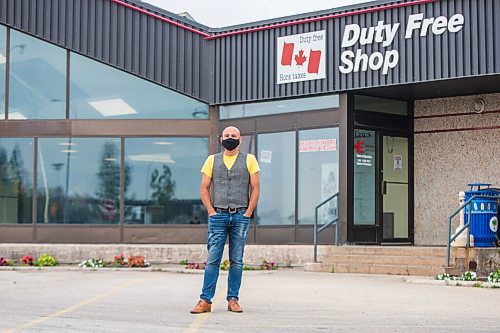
{"points": [[277, 301]]}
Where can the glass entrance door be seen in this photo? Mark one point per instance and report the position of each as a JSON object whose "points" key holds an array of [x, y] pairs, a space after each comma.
{"points": [[380, 188], [394, 188], [366, 223]]}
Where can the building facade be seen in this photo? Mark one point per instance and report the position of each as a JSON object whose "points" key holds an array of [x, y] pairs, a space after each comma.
{"points": [[381, 111]]}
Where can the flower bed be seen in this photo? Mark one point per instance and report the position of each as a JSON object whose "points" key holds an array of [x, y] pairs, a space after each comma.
{"points": [[118, 261], [467, 276], [225, 265], [46, 260], [494, 277]]}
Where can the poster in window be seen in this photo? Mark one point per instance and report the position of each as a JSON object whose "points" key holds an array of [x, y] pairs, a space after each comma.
{"points": [[329, 186]]}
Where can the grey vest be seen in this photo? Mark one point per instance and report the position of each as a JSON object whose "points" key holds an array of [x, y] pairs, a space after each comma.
{"points": [[230, 186]]}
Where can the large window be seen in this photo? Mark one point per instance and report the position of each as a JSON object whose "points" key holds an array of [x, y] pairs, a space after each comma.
{"points": [[37, 79], [38, 87], [277, 107], [277, 178], [162, 180], [16, 180], [377, 104], [3, 61], [101, 92], [318, 174], [78, 180]]}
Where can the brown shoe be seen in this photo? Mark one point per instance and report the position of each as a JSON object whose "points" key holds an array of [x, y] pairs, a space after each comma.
{"points": [[202, 307], [233, 306]]}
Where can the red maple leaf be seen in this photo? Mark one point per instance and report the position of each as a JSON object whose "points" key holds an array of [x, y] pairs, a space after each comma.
{"points": [[359, 146], [300, 58]]}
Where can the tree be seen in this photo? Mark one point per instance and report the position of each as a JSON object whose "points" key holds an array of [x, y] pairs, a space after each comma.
{"points": [[164, 190], [109, 180], [16, 176]]}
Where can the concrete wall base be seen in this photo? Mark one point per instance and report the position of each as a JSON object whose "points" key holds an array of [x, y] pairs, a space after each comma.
{"points": [[295, 255]]}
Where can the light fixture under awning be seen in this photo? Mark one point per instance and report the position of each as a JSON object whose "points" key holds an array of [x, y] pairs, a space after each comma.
{"points": [[153, 158], [112, 107], [163, 143]]}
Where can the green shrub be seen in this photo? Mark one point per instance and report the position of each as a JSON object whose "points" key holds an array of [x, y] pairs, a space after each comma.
{"points": [[224, 266], [46, 260], [469, 276], [494, 276]]}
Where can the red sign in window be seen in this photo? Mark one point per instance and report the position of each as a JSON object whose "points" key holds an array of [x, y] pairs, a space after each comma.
{"points": [[306, 146]]}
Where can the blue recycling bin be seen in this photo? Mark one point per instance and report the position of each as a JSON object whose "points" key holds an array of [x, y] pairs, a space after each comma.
{"points": [[483, 214]]}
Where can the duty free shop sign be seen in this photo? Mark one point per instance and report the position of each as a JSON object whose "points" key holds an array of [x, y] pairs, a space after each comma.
{"points": [[302, 57]]}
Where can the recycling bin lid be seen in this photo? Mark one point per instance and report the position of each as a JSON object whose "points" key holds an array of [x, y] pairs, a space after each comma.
{"points": [[479, 185]]}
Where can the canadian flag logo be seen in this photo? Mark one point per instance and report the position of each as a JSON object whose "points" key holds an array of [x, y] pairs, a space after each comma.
{"points": [[289, 59], [301, 57]]}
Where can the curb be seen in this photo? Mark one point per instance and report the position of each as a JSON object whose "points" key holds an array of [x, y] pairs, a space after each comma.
{"points": [[453, 283], [73, 268], [179, 269]]}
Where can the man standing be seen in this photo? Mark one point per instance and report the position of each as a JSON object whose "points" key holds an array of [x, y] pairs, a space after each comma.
{"points": [[232, 173]]}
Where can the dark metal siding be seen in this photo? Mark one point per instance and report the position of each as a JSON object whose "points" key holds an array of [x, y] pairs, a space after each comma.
{"points": [[118, 36], [245, 65]]}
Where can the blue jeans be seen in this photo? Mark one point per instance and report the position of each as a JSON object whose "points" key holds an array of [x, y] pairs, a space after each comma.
{"points": [[234, 225]]}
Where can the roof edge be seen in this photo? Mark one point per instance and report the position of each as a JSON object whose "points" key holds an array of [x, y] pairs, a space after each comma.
{"points": [[213, 33], [296, 17]]}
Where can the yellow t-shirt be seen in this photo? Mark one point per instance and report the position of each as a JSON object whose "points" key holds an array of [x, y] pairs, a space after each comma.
{"points": [[252, 164]]}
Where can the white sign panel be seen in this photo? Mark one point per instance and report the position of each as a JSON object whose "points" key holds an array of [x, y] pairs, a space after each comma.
{"points": [[266, 156], [398, 162], [301, 57]]}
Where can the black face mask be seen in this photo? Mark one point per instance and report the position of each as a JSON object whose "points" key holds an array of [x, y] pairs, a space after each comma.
{"points": [[230, 144]]}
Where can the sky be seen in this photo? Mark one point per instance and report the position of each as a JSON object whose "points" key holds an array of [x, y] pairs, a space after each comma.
{"points": [[222, 13]]}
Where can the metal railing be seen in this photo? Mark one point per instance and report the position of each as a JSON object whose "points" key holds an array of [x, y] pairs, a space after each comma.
{"points": [[466, 225], [326, 225]]}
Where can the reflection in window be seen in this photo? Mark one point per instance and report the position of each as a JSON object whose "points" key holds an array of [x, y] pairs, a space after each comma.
{"points": [[164, 180], [247, 144], [377, 104], [99, 91], [3, 60], [78, 180], [277, 178], [16, 180], [277, 107], [37, 79], [318, 174]]}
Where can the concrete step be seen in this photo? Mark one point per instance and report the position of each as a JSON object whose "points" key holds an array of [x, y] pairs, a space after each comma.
{"points": [[385, 260], [362, 268], [395, 260]]}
